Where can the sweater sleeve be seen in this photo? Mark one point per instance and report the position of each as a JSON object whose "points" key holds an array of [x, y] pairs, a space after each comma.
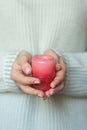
{"points": [[6, 61], [75, 80], [76, 76]]}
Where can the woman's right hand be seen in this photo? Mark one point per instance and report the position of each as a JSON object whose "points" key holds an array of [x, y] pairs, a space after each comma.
{"points": [[21, 74]]}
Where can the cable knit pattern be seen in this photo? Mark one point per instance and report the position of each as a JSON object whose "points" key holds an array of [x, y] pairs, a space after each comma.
{"points": [[34, 26]]}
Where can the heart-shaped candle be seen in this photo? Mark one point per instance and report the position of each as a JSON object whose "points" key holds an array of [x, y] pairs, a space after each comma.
{"points": [[43, 67]]}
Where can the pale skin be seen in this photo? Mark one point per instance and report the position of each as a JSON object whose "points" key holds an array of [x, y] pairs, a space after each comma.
{"points": [[21, 74]]}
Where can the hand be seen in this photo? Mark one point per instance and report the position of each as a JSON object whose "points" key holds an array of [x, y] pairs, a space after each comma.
{"points": [[21, 74], [57, 84]]}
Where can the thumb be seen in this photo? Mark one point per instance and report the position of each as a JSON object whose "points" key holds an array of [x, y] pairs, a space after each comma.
{"points": [[24, 60], [26, 68], [58, 67]]}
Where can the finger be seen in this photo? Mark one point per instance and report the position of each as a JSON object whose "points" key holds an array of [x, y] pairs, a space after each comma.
{"points": [[19, 77], [24, 60], [58, 79], [52, 53], [60, 75], [23, 57], [58, 67], [26, 68], [63, 64], [29, 90], [55, 90]]}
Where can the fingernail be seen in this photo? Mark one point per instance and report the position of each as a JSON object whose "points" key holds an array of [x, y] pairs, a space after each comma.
{"points": [[51, 93], [52, 85], [48, 95], [27, 70], [37, 81], [40, 95]]}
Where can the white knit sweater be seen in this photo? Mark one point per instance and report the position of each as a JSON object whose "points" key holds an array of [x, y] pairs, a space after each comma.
{"points": [[35, 25]]}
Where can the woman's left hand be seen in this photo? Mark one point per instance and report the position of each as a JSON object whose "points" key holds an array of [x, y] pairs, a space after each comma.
{"points": [[57, 85]]}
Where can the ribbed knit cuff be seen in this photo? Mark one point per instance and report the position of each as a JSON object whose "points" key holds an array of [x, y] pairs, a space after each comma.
{"points": [[9, 85], [76, 76]]}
